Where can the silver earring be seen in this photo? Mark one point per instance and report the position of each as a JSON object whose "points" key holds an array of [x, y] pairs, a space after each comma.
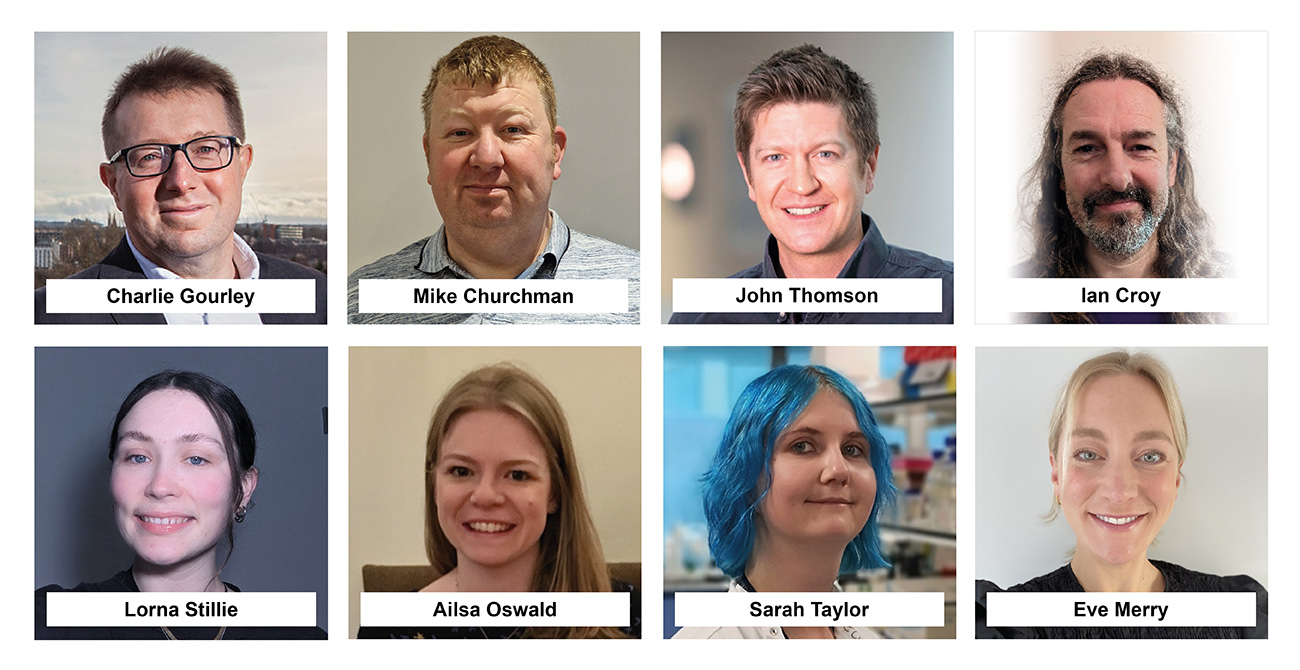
{"points": [[239, 514]]}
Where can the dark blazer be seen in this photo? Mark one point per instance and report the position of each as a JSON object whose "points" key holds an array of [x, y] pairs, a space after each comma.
{"points": [[121, 264]]}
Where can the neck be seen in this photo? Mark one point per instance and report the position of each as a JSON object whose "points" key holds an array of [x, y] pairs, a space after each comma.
{"points": [[195, 575], [217, 264], [782, 567], [776, 566], [826, 265], [1141, 265], [498, 253], [515, 577], [1136, 576]]}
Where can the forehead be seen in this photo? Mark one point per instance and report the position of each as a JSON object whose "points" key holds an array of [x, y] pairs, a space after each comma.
{"points": [[171, 409], [513, 91], [174, 116], [1116, 106], [799, 123], [826, 410], [489, 435], [1121, 400]]}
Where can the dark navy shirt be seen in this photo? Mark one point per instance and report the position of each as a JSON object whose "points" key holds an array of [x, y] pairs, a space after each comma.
{"points": [[873, 259]]}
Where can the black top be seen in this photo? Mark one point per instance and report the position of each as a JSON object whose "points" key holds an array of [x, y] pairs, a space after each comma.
{"points": [[124, 582], [1177, 580], [633, 629]]}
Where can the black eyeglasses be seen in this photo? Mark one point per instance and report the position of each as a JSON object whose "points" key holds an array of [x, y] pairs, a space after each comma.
{"points": [[204, 153]]}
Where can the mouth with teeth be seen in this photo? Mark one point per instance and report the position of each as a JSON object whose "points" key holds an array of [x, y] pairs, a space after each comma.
{"points": [[804, 211], [163, 525], [489, 526], [1118, 521]]}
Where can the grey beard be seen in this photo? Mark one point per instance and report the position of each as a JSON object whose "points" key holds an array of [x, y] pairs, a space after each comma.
{"points": [[1121, 239]]}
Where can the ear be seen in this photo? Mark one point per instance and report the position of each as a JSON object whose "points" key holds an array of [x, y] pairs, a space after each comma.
{"points": [[869, 171], [1173, 168], [745, 171], [245, 159], [1056, 477], [108, 175], [559, 138], [553, 505], [249, 483], [424, 142]]}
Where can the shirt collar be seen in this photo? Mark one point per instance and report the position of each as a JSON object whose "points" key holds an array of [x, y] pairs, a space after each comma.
{"points": [[867, 261], [436, 260], [246, 263]]}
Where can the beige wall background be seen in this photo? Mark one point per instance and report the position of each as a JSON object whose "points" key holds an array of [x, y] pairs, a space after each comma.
{"points": [[392, 393]]}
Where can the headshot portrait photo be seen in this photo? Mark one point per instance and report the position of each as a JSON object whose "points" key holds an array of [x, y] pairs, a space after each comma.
{"points": [[597, 95], [249, 201], [712, 225], [268, 406], [1114, 507], [1051, 202], [516, 501]]}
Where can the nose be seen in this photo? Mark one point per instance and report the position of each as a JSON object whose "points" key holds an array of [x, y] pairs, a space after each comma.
{"points": [[486, 493], [162, 483], [803, 178], [1120, 482], [834, 468], [181, 176], [1117, 174], [486, 153]]}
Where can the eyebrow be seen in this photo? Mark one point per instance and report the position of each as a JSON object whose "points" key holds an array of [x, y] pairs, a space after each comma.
{"points": [[509, 110], [1143, 436], [508, 463], [193, 136], [780, 148], [188, 438], [809, 430], [1130, 135]]}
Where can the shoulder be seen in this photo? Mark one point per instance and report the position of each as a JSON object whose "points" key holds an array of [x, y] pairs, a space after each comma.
{"points": [[911, 263], [751, 272], [1180, 579], [710, 633], [399, 265], [278, 268], [597, 258]]}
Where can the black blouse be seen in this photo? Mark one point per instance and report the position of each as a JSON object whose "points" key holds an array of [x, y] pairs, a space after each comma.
{"points": [[1177, 580], [124, 582]]}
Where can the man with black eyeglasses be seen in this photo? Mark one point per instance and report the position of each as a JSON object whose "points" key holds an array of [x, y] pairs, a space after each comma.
{"points": [[173, 132]]}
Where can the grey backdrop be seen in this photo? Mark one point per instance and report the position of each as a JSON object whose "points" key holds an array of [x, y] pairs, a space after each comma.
{"points": [[597, 95], [1218, 525], [716, 231], [281, 546]]}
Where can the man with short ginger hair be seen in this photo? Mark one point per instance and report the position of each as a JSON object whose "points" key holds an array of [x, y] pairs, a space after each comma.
{"points": [[493, 149], [808, 143]]}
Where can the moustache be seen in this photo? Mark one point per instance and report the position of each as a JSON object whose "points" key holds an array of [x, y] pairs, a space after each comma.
{"points": [[1133, 192]]}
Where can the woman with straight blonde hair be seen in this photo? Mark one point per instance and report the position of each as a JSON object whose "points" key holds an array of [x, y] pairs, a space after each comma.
{"points": [[505, 509]]}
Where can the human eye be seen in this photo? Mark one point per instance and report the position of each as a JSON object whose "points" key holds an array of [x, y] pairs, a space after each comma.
{"points": [[853, 451], [136, 459], [197, 460], [1087, 455], [1152, 458], [520, 475], [771, 158], [458, 471], [146, 155], [802, 447]]}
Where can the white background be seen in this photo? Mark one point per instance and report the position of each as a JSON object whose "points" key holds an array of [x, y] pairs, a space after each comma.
{"points": [[1276, 170]]}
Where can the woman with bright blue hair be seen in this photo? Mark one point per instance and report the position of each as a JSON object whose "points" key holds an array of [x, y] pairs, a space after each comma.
{"points": [[794, 491]]}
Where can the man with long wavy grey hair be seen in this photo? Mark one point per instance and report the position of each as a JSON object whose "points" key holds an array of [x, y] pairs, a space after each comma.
{"points": [[1112, 194]]}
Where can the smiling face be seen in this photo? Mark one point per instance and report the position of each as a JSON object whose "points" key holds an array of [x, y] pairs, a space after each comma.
{"points": [[1117, 472], [493, 489], [183, 218], [171, 480], [808, 181], [823, 486], [492, 154], [1116, 164]]}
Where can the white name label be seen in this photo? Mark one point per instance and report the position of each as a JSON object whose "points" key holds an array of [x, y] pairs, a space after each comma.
{"points": [[495, 609], [808, 295], [809, 609], [1121, 609], [66, 608], [1124, 295], [176, 296], [492, 296]]}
